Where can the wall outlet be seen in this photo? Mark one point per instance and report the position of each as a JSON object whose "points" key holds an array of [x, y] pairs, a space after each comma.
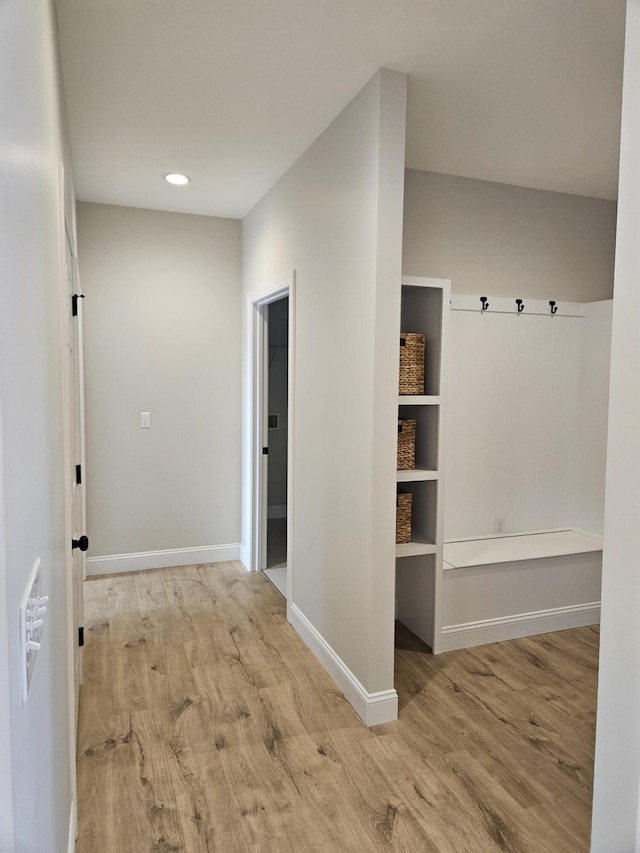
{"points": [[499, 525], [145, 420]]}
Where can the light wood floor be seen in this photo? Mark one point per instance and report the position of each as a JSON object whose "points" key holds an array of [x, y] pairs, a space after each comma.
{"points": [[207, 725]]}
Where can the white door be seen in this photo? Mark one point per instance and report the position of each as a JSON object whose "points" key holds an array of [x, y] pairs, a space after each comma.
{"points": [[73, 458], [75, 473]]}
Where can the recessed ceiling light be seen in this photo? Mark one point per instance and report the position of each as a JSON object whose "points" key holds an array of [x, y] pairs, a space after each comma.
{"points": [[176, 178]]}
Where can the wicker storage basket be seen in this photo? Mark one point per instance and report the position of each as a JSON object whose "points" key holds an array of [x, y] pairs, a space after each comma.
{"points": [[406, 444], [403, 517], [411, 363]]}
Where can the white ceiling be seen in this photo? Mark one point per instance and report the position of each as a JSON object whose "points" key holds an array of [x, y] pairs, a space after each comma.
{"points": [[231, 92]]}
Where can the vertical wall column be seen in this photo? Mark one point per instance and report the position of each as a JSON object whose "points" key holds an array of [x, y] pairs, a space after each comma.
{"points": [[617, 768], [336, 218]]}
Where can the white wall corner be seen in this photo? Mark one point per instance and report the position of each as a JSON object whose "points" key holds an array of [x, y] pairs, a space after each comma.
{"points": [[115, 563], [373, 708], [6, 769], [616, 787]]}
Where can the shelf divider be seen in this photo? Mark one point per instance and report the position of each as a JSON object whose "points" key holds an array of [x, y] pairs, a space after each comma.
{"points": [[419, 400], [415, 549]]}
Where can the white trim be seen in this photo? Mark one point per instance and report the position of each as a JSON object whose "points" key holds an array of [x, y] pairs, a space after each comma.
{"points": [[277, 511], [115, 563], [506, 305], [518, 625], [373, 708], [425, 281], [244, 556], [271, 292], [73, 827], [291, 423]]}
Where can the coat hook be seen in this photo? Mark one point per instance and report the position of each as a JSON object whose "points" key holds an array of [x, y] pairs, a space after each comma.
{"points": [[520, 305], [485, 304], [554, 307]]}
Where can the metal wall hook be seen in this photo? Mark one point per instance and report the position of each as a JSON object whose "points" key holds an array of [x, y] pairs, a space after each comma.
{"points": [[484, 302], [552, 304], [520, 305]]}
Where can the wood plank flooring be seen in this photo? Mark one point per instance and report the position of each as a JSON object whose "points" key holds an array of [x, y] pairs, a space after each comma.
{"points": [[207, 725]]}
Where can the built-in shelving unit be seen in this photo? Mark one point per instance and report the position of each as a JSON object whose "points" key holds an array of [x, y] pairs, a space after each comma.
{"points": [[425, 310]]}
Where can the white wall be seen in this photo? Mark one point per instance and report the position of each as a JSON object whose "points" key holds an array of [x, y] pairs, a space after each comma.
{"points": [[496, 239], [336, 217], [162, 335], [512, 404], [593, 407], [617, 767], [6, 768], [526, 432], [34, 765]]}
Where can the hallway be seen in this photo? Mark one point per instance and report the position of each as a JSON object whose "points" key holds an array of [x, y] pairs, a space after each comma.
{"points": [[206, 724]]}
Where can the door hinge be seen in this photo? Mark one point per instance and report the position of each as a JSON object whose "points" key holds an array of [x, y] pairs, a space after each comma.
{"points": [[81, 636], [78, 475], [265, 451], [74, 303]]}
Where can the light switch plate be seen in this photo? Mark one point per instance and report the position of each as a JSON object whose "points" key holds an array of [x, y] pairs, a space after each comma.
{"points": [[145, 420]]}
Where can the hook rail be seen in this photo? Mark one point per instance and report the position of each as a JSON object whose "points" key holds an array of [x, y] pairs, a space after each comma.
{"points": [[491, 305]]}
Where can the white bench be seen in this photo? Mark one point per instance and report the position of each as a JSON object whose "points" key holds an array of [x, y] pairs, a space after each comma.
{"points": [[502, 587]]}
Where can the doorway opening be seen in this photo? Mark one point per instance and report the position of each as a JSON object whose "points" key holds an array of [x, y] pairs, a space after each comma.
{"points": [[272, 318], [277, 395]]}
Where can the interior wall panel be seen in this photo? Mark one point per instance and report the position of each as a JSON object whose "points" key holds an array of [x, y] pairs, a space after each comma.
{"points": [[593, 408], [512, 406]]}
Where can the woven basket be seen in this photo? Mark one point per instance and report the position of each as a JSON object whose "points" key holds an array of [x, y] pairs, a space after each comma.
{"points": [[406, 444], [403, 517], [411, 363]]}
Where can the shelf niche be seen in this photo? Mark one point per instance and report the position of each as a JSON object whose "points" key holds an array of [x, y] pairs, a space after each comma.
{"points": [[421, 313], [415, 579], [423, 516], [427, 420]]}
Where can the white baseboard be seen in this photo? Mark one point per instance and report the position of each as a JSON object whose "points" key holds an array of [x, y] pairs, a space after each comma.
{"points": [[244, 556], [518, 625], [73, 828], [277, 511], [115, 563], [373, 708]]}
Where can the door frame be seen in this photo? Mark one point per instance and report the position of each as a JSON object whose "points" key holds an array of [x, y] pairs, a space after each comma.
{"points": [[258, 301]]}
